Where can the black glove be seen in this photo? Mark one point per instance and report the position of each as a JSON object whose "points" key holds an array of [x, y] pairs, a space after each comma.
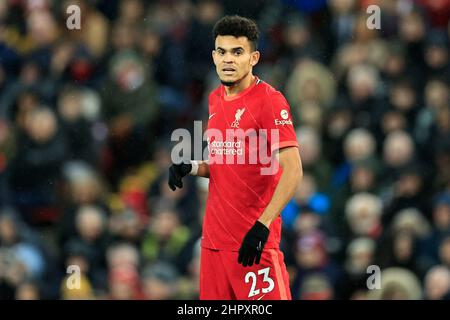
{"points": [[176, 173], [253, 244]]}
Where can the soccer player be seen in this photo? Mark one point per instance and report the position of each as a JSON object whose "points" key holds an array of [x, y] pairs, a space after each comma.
{"points": [[240, 257]]}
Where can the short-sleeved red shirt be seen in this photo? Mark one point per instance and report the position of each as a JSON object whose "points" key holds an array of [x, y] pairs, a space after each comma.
{"points": [[243, 132]]}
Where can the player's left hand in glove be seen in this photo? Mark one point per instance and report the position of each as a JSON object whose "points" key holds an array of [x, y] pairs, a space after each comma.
{"points": [[253, 244], [176, 174]]}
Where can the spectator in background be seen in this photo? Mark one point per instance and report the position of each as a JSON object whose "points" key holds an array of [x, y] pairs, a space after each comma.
{"points": [[7, 152], [312, 259], [130, 108], [436, 55], [37, 166], [77, 128], [28, 290], [84, 187], [397, 284], [360, 254], [437, 284], [398, 152], [92, 236], [441, 229], [160, 281], [20, 257], [408, 191], [93, 33], [125, 226], [123, 262], [312, 159], [91, 279], [363, 213], [362, 83], [399, 246], [165, 237]]}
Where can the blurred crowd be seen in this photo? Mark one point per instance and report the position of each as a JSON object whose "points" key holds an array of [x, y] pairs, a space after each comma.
{"points": [[85, 123]]}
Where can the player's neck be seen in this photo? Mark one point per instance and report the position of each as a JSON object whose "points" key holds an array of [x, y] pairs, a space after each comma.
{"points": [[245, 83]]}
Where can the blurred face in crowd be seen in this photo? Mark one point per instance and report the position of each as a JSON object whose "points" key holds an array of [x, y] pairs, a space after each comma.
{"points": [[123, 255], [309, 256], [123, 36], [8, 230], [409, 184], [436, 56], [41, 125], [30, 73], [359, 145], [42, 27], [395, 64], [150, 43], [123, 283], [398, 149], [80, 261], [359, 256], [164, 224], [362, 81], [342, 6], [306, 222], [312, 115], [441, 216], [393, 121], [339, 122], [437, 94], [361, 32], [437, 283], [362, 179], [311, 90], [363, 221], [70, 106], [131, 10], [85, 190], [316, 287], [209, 11], [156, 289], [234, 59], [403, 247], [444, 252], [90, 223], [305, 189], [128, 225], [402, 97], [310, 142], [412, 27], [363, 213], [27, 291], [296, 35]]}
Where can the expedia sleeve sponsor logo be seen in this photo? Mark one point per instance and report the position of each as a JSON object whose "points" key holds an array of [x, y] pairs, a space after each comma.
{"points": [[282, 122], [285, 118]]}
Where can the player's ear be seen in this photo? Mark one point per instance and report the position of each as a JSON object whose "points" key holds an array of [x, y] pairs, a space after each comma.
{"points": [[254, 58], [213, 54]]}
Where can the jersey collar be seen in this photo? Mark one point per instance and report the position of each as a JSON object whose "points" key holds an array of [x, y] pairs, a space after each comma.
{"points": [[240, 94]]}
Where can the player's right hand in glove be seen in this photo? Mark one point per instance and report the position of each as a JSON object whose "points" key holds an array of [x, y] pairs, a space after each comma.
{"points": [[253, 244], [176, 174]]}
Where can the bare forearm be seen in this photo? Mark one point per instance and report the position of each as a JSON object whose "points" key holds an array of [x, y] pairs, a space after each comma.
{"points": [[289, 180]]}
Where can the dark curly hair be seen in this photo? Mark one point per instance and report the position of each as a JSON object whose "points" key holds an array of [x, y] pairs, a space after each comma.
{"points": [[237, 26]]}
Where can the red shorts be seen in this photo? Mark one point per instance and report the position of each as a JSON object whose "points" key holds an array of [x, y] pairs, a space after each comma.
{"points": [[223, 278]]}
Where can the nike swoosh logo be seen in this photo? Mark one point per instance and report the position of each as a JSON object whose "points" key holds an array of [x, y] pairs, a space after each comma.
{"points": [[211, 115]]}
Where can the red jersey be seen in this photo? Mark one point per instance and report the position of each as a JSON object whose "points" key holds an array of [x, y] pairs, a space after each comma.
{"points": [[239, 188]]}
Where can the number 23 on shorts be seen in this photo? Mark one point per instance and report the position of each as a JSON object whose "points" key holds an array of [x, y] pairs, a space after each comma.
{"points": [[266, 280]]}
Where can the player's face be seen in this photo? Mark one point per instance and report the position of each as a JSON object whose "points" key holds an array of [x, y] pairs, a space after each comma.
{"points": [[234, 58]]}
